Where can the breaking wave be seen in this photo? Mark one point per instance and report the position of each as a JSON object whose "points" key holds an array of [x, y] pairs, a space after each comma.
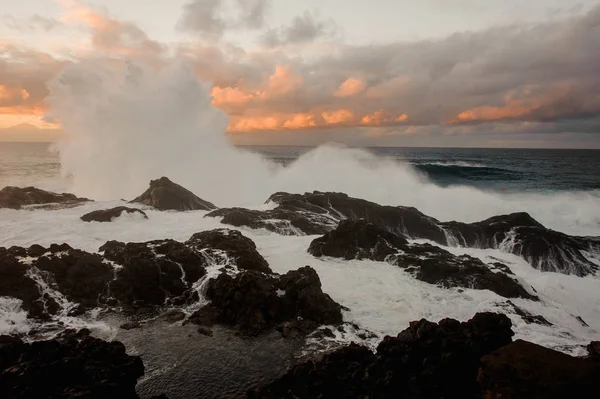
{"points": [[129, 123]]}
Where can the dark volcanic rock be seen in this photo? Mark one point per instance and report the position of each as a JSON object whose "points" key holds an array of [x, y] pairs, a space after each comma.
{"points": [[108, 215], [319, 212], [16, 282], [427, 360], [359, 239], [153, 272], [17, 197], [526, 370], [237, 246], [520, 234], [72, 366], [254, 302], [80, 276], [164, 195]]}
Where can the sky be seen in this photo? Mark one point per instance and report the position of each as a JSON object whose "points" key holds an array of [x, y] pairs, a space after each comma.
{"points": [[441, 73]]}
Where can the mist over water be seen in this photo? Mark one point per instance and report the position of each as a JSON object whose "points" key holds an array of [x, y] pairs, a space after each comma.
{"points": [[128, 123]]}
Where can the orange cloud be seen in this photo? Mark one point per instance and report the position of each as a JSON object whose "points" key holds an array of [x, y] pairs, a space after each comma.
{"points": [[12, 94], [230, 97], [282, 82], [350, 87], [338, 117]]}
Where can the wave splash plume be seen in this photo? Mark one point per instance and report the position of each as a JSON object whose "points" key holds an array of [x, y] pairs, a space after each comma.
{"points": [[128, 123]]}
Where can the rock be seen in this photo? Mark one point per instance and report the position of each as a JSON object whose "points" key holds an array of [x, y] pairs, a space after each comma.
{"points": [[131, 325], [427, 360], [205, 331], [254, 302], [153, 272], [108, 215], [526, 370], [9, 340], [67, 367], [80, 276], [17, 197], [360, 239], [164, 195], [594, 349], [172, 316], [238, 247], [581, 321], [318, 213], [16, 282], [544, 249], [528, 317]]}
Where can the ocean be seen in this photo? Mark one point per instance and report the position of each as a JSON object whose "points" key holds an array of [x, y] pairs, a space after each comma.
{"points": [[559, 188], [493, 169]]}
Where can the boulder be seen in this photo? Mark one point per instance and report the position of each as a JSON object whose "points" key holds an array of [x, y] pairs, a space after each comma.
{"points": [[73, 365], [254, 302], [427, 360], [360, 239], [165, 195], [18, 197], [153, 272], [108, 215], [526, 370], [239, 248]]}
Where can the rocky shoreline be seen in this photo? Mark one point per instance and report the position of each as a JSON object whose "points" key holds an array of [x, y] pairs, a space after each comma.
{"points": [[218, 282]]}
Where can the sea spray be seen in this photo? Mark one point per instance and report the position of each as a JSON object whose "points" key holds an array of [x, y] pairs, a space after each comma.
{"points": [[128, 123]]}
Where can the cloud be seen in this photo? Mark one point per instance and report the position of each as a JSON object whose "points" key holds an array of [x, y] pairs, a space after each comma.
{"points": [[31, 24], [109, 34], [305, 28], [350, 87], [211, 17]]}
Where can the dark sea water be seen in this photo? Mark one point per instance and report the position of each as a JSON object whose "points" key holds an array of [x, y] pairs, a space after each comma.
{"points": [[507, 170], [486, 168]]}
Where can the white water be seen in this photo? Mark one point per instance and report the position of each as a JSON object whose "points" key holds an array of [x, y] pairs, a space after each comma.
{"points": [[128, 124], [382, 298]]}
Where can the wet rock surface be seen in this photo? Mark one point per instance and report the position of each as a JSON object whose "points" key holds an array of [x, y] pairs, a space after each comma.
{"points": [[238, 247], [254, 303], [320, 212], [18, 197], [520, 234], [427, 360], [138, 277], [108, 215], [74, 365], [359, 239], [526, 370], [165, 195]]}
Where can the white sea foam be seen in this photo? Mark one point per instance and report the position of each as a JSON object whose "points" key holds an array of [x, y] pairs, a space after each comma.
{"points": [[128, 124], [381, 297]]}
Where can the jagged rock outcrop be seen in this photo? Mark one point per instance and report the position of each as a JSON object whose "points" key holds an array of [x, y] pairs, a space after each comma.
{"points": [[165, 195], [238, 247], [522, 235], [74, 365], [526, 370], [18, 197], [359, 239], [108, 215], [427, 360], [153, 273], [255, 302], [149, 275], [518, 233]]}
